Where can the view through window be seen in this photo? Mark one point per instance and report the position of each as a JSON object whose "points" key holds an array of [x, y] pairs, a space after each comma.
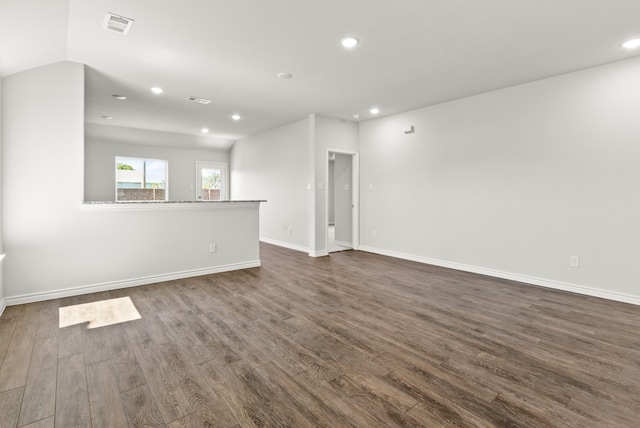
{"points": [[140, 179], [210, 184], [211, 181]]}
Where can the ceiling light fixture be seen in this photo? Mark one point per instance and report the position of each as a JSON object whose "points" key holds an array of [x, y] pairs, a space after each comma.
{"points": [[157, 90], [356, 116], [236, 117], [631, 44], [205, 130], [375, 110], [107, 117], [349, 42], [119, 97], [284, 75]]}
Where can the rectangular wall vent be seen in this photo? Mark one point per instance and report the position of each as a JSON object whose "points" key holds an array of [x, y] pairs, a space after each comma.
{"points": [[117, 23], [198, 100]]}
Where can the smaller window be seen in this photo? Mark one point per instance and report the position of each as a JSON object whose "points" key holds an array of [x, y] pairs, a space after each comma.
{"points": [[211, 181], [141, 179]]}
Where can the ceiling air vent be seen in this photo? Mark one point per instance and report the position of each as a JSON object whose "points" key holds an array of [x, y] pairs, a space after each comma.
{"points": [[198, 100], [117, 23]]}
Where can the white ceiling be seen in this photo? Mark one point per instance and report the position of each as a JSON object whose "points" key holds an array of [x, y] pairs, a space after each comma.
{"points": [[413, 53]]}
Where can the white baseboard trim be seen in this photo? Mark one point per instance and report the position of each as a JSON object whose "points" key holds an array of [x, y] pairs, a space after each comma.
{"points": [[344, 244], [318, 253], [114, 285], [285, 244], [3, 306], [557, 285], [294, 247]]}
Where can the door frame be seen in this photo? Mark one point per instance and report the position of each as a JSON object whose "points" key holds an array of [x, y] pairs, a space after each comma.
{"points": [[224, 190], [355, 196]]}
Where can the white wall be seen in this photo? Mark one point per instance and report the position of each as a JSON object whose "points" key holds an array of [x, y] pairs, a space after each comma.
{"points": [[278, 165], [100, 173], [326, 133], [55, 246], [273, 165], [2, 304], [331, 189], [343, 198], [515, 181]]}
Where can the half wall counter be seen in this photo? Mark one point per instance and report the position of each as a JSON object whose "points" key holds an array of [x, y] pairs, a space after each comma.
{"points": [[122, 244]]}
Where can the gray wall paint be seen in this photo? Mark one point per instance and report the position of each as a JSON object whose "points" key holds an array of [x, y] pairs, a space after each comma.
{"points": [[273, 165], [516, 180], [343, 198], [42, 166], [1, 207], [52, 243], [278, 165], [331, 189], [100, 161], [326, 133]]}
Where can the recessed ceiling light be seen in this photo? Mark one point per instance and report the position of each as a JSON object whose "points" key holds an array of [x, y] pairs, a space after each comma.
{"points": [[349, 42], [107, 117], [157, 90], [236, 117], [285, 75], [631, 44], [374, 110], [119, 97], [205, 130]]}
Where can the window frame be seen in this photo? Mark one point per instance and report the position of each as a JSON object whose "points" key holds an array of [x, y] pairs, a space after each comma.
{"points": [[119, 159], [224, 178]]}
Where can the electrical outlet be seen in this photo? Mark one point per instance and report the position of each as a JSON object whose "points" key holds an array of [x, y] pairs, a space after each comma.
{"points": [[574, 261], [213, 248], [289, 230], [374, 234]]}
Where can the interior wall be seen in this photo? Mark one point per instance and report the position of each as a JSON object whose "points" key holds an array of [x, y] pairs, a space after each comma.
{"points": [[515, 181], [2, 304], [325, 133], [343, 198], [331, 190], [43, 164], [55, 245], [100, 163], [272, 166]]}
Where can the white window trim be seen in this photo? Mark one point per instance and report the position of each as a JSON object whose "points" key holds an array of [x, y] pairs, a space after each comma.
{"points": [[224, 190], [166, 175]]}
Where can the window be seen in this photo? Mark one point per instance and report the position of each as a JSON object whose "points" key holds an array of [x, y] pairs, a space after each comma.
{"points": [[211, 181], [141, 179]]}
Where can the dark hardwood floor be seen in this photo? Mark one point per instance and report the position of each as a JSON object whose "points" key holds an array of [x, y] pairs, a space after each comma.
{"points": [[354, 339]]}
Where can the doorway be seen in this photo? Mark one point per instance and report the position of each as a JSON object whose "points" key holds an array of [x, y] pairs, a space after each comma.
{"points": [[211, 181], [342, 198]]}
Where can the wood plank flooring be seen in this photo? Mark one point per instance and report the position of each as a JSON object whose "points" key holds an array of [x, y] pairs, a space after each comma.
{"points": [[350, 340]]}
